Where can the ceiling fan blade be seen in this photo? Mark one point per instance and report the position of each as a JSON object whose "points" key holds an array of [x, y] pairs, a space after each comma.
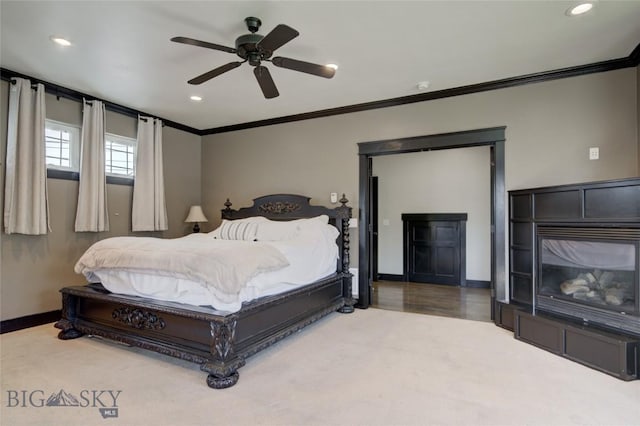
{"points": [[194, 42], [214, 73], [308, 67], [279, 36], [266, 82]]}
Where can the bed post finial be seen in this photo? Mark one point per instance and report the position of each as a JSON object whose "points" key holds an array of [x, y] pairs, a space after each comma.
{"points": [[343, 200], [227, 205]]}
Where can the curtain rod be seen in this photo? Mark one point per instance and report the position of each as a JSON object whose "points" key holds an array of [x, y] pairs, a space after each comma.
{"points": [[33, 86], [63, 92], [90, 101], [140, 117]]}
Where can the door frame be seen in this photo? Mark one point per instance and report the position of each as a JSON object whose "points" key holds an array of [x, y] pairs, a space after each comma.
{"points": [[374, 227], [494, 137]]}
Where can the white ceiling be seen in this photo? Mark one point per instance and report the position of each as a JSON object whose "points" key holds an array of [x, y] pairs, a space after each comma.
{"points": [[121, 50]]}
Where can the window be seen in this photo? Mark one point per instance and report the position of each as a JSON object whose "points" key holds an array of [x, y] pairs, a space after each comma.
{"points": [[119, 157], [62, 143], [62, 146]]}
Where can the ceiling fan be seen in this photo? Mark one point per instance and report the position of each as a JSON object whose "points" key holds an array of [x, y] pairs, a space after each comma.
{"points": [[255, 49]]}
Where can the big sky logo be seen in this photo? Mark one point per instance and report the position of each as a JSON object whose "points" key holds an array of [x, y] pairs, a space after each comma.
{"points": [[106, 401]]}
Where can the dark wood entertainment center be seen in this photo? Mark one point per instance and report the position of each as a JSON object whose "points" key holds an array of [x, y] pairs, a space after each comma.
{"points": [[607, 211]]}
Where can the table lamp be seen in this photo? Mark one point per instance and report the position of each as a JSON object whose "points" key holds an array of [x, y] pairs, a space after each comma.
{"points": [[196, 216]]}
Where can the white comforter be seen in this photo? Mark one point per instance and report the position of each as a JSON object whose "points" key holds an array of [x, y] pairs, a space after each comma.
{"points": [[226, 265], [202, 270]]}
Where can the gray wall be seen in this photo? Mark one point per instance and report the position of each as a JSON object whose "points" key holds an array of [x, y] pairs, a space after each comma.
{"points": [[550, 127], [444, 181], [34, 268]]}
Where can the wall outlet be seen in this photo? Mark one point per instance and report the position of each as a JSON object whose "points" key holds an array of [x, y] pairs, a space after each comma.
{"points": [[594, 153], [334, 197]]}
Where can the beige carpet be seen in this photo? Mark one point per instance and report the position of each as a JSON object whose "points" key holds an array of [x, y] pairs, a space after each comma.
{"points": [[373, 367]]}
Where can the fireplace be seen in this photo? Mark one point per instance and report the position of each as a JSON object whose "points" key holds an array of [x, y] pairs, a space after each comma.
{"points": [[574, 273], [591, 274]]}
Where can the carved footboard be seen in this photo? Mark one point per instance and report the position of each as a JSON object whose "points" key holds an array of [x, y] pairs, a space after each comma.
{"points": [[170, 329], [219, 342]]}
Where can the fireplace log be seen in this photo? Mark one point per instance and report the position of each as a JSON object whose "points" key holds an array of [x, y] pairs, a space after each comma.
{"points": [[617, 295]]}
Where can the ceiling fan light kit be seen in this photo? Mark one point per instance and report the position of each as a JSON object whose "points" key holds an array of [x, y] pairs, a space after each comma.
{"points": [[256, 49]]}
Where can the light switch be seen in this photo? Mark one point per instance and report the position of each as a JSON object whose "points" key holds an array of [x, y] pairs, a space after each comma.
{"points": [[385, 222], [334, 197]]}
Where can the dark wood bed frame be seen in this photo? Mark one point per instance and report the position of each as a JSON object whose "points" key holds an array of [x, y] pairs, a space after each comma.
{"points": [[220, 342]]}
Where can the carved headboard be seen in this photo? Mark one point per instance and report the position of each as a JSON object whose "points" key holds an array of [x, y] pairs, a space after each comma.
{"points": [[291, 207]]}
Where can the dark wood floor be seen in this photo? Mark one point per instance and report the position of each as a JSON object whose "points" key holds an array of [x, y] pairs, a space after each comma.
{"points": [[433, 299]]}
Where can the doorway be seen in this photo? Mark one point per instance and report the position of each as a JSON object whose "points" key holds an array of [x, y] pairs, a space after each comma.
{"points": [[492, 137]]}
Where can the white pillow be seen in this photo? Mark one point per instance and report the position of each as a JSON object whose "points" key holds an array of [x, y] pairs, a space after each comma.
{"points": [[239, 229], [273, 230], [318, 231], [312, 221]]}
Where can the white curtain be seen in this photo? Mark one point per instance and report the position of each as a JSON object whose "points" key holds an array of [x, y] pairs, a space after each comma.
{"points": [[149, 211], [92, 215], [26, 209]]}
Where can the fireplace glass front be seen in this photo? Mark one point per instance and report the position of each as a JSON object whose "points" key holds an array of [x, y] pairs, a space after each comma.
{"points": [[594, 273]]}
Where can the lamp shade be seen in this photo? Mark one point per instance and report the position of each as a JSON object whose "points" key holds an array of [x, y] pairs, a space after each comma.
{"points": [[196, 215]]}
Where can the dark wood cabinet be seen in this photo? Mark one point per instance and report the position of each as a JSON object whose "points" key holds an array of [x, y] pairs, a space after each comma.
{"points": [[610, 353], [434, 248]]}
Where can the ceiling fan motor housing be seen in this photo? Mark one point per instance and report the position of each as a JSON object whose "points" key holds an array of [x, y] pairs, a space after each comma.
{"points": [[246, 48]]}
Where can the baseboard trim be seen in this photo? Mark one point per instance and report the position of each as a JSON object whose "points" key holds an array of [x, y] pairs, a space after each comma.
{"points": [[390, 277], [478, 284], [34, 320]]}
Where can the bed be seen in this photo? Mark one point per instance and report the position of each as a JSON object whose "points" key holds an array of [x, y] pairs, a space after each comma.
{"points": [[219, 340]]}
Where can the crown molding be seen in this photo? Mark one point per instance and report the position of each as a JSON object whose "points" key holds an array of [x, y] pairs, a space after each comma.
{"points": [[633, 60], [603, 66], [63, 92]]}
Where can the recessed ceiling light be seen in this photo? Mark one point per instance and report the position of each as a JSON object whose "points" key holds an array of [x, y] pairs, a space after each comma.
{"points": [[579, 9], [334, 66], [423, 85], [60, 40], [196, 98]]}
